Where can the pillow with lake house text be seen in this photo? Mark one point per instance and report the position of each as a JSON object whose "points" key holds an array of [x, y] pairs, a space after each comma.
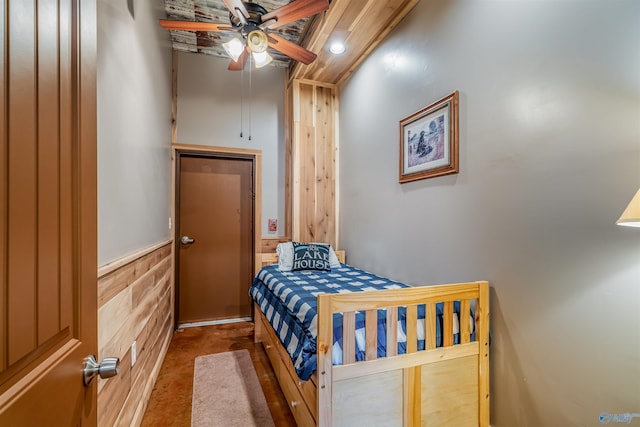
{"points": [[310, 256]]}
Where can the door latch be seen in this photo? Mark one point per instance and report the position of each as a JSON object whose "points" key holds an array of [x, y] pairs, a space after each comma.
{"points": [[109, 367]]}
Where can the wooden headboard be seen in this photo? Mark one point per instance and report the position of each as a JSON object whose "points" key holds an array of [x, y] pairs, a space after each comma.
{"points": [[272, 258]]}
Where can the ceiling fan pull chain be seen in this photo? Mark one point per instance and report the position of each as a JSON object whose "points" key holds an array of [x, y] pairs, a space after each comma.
{"points": [[250, 94], [241, 98]]}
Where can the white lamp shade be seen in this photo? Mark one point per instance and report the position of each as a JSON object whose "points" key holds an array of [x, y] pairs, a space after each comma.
{"points": [[234, 48], [631, 215], [261, 59]]}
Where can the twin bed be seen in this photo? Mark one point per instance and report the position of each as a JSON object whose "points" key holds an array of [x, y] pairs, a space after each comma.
{"points": [[355, 349]]}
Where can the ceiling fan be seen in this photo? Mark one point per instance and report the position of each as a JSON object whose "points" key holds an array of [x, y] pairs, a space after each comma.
{"points": [[255, 25]]}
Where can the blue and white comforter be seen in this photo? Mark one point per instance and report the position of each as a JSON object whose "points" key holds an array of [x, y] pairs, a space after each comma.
{"points": [[289, 300]]}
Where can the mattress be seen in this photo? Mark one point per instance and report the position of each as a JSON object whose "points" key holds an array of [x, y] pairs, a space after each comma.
{"points": [[288, 300]]}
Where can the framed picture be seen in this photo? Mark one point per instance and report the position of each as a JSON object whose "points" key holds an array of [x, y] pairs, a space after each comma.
{"points": [[429, 141]]}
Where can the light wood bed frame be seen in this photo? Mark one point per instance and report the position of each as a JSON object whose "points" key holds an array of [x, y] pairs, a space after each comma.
{"points": [[442, 386]]}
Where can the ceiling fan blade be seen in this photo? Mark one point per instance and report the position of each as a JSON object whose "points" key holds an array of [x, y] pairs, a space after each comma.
{"points": [[295, 10], [236, 5], [195, 26], [291, 49], [239, 64]]}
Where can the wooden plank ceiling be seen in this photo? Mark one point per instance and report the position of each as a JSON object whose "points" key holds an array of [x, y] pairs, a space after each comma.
{"points": [[361, 24], [210, 43]]}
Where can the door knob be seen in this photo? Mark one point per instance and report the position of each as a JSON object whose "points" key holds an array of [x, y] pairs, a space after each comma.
{"points": [[109, 367], [185, 240]]}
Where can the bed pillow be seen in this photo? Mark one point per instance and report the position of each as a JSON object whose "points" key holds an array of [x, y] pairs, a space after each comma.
{"points": [[310, 256], [285, 256], [333, 258]]}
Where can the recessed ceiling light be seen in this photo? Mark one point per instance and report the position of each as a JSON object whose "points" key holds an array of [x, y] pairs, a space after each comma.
{"points": [[337, 48]]}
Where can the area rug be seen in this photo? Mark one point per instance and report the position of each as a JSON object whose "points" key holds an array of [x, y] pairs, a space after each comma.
{"points": [[227, 392]]}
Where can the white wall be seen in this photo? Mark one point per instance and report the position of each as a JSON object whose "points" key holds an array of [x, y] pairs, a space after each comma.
{"points": [[134, 127], [549, 158], [216, 105]]}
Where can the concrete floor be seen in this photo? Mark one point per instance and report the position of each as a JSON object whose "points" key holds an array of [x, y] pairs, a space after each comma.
{"points": [[170, 403]]}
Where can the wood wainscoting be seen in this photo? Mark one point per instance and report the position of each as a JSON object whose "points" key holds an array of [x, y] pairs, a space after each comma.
{"points": [[135, 303]]}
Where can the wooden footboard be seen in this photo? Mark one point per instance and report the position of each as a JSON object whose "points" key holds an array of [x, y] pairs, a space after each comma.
{"points": [[442, 386]]}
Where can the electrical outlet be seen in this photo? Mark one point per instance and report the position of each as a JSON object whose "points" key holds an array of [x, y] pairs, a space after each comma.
{"points": [[133, 353]]}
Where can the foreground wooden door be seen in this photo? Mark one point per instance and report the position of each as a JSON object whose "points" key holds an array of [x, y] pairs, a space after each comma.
{"points": [[48, 215], [216, 210]]}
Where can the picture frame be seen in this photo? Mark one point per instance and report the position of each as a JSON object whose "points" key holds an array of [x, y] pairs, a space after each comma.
{"points": [[429, 141]]}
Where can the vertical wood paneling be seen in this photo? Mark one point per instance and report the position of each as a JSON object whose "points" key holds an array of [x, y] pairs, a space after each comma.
{"points": [[66, 164], [48, 254], [22, 181], [325, 170], [295, 160], [3, 189], [331, 151], [314, 166], [38, 164], [288, 161], [307, 163]]}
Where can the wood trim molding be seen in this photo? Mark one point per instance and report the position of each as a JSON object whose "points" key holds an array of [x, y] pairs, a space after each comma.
{"points": [[217, 149], [116, 264]]}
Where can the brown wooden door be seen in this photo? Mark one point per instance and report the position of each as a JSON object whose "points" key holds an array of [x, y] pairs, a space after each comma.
{"points": [[48, 216], [216, 211]]}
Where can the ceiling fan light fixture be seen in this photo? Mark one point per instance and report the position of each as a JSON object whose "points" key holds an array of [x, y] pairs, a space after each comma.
{"points": [[234, 48], [258, 29], [261, 59], [257, 41]]}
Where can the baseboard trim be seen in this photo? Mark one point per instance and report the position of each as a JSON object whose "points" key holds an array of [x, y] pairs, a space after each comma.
{"points": [[214, 322]]}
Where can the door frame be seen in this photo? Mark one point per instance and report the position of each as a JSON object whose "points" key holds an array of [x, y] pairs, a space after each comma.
{"points": [[179, 150]]}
